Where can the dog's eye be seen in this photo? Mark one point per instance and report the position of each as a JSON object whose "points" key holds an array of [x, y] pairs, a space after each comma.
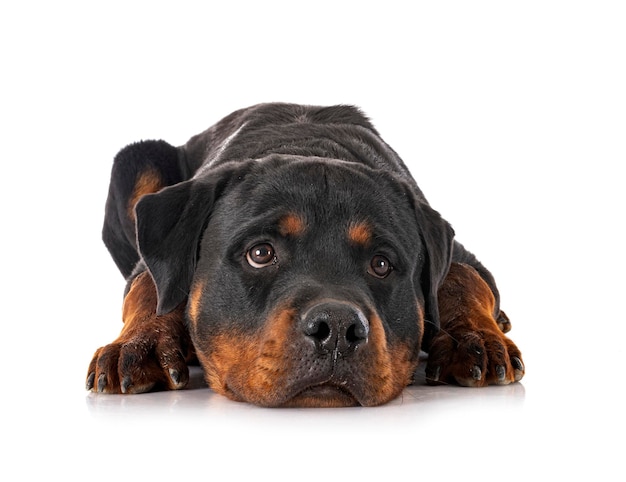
{"points": [[261, 255], [380, 267]]}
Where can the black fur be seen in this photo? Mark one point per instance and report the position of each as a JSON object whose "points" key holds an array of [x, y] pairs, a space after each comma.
{"points": [[235, 179]]}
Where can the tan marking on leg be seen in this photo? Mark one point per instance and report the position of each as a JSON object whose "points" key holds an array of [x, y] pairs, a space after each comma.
{"points": [[147, 182], [471, 345], [140, 301]]}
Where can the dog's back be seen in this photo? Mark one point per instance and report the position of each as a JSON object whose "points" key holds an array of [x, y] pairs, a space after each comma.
{"points": [[339, 132]]}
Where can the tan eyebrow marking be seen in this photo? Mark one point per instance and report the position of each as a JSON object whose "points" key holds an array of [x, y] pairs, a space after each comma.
{"points": [[360, 233], [291, 224]]}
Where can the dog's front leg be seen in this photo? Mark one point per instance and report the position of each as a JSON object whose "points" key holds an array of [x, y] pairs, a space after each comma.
{"points": [[151, 351], [471, 348]]}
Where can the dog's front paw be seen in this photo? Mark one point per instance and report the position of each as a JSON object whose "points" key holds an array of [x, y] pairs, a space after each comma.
{"points": [[142, 360], [471, 348], [474, 358]]}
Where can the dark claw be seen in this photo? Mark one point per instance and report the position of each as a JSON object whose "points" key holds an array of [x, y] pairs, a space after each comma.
{"points": [[433, 374], [500, 373], [102, 382], [126, 384], [175, 376], [519, 368], [477, 374], [90, 379]]}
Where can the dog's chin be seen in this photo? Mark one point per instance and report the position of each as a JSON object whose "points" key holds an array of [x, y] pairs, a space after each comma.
{"points": [[322, 396]]}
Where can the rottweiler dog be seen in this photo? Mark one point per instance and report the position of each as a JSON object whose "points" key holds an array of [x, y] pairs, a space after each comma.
{"points": [[290, 252]]}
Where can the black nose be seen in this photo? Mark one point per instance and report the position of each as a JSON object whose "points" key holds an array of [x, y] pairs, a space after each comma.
{"points": [[336, 326]]}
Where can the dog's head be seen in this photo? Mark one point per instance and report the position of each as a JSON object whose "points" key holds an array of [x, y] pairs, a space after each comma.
{"points": [[307, 281]]}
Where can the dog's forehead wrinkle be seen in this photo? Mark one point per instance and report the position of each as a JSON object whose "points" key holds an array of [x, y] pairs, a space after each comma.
{"points": [[310, 200]]}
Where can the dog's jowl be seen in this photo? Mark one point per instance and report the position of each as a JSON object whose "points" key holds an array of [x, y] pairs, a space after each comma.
{"points": [[289, 251]]}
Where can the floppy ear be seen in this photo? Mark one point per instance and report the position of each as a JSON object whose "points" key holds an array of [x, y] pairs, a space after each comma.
{"points": [[170, 224], [437, 238]]}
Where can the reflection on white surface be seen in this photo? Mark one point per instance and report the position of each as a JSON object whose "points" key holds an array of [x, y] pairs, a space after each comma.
{"points": [[415, 432], [198, 400], [540, 427]]}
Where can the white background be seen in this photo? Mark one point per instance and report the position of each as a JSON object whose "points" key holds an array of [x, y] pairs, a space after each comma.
{"points": [[512, 117]]}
